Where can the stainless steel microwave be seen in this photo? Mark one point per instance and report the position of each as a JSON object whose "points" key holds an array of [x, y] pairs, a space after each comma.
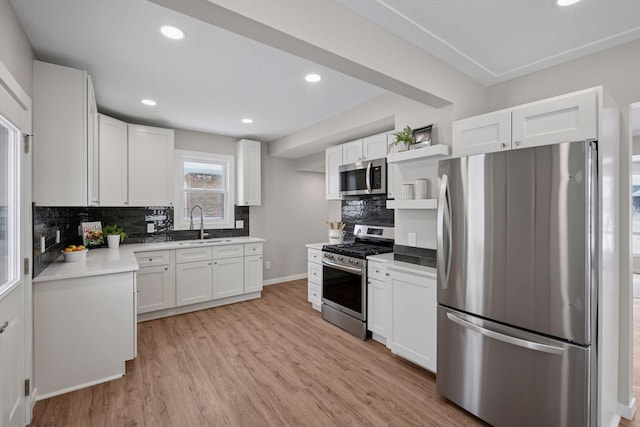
{"points": [[362, 178]]}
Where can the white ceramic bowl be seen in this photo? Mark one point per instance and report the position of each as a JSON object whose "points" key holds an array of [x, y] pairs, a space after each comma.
{"points": [[75, 256]]}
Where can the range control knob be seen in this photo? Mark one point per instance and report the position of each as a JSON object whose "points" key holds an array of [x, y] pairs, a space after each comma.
{"points": [[340, 258]]}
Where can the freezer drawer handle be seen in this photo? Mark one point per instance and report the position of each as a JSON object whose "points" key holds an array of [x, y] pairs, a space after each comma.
{"points": [[506, 338]]}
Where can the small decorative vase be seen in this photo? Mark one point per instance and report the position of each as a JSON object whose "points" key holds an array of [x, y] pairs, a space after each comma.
{"points": [[113, 240]]}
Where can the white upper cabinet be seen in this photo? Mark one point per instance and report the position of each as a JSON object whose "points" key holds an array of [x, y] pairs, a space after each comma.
{"points": [[571, 117], [150, 166], [375, 147], [482, 134], [333, 160], [370, 148], [352, 152], [61, 135], [248, 180], [112, 153], [565, 118]]}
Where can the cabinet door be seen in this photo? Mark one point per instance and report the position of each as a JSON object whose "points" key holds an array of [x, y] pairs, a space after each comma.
{"points": [[253, 273], [60, 135], [12, 358], [413, 318], [228, 277], [156, 289], [93, 159], [566, 118], [333, 160], [193, 282], [482, 134], [150, 166], [375, 147], [249, 161], [378, 307], [113, 170], [351, 152]]}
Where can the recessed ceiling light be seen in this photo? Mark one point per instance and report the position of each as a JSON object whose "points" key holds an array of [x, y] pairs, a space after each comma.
{"points": [[149, 102], [563, 3], [173, 33], [247, 121], [313, 78]]}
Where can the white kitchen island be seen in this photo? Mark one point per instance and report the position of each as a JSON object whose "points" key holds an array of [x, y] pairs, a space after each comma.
{"points": [[85, 313]]}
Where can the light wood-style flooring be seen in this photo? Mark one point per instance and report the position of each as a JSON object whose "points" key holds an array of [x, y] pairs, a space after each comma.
{"points": [[266, 362]]}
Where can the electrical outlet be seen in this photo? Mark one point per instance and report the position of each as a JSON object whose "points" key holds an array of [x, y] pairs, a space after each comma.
{"points": [[411, 239], [267, 265], [240, 223], [42, 244], [79, 230], [151, 227], [57, 236]]}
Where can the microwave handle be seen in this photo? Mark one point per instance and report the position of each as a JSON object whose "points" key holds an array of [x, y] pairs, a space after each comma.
{"points": [[368, 178]]}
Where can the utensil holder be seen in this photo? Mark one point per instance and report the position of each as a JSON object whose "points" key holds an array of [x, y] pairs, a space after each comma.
{"points": [[336, 236]]}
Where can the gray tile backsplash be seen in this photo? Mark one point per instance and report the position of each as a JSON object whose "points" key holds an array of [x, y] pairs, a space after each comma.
{"points": [[47, 220]]}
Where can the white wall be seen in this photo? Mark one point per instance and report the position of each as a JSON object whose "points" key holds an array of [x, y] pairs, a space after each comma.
{"points": [[293, 213], [16, 52]]}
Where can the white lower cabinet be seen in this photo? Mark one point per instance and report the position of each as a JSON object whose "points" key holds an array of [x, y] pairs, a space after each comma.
{"points": [[253, 273], [413, 317], [193, 282], [228, 277], [156, 281], [314, 278], [84, 330], [378, 301]]}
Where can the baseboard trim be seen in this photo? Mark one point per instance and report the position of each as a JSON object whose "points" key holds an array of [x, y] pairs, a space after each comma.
{"points": [[627, 411], [284, 279]]}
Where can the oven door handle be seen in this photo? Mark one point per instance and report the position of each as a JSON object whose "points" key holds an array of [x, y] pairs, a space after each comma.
{"points": [[354, 270]]}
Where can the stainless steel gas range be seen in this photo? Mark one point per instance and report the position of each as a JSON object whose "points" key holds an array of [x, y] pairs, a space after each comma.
{"points": [[344, 277]]}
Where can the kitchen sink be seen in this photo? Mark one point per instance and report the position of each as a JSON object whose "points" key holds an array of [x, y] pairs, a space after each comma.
{"points": [[203, 242]]}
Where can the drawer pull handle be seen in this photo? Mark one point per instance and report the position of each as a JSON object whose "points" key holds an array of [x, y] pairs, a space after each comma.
{"points": [[4, 326], [166, 268], [150, 259]]}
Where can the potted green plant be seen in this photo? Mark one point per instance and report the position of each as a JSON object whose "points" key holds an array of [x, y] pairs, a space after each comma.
{"points": [[405, 136], [114, 235]]}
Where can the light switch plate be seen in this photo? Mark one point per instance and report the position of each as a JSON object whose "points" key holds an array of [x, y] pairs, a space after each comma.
{"points": [[240, 223], [151, 227], [411, 239]]}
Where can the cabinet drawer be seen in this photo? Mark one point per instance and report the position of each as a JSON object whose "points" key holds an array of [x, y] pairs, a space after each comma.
{"points": [[149, 259], [315, 273], [314, 293], [377, 270], [253, 249], [192, 255], [229, 251], [315, 256]]}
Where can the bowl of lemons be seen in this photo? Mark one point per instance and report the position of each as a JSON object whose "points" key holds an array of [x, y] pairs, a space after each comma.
{"points": [[73, 253]]}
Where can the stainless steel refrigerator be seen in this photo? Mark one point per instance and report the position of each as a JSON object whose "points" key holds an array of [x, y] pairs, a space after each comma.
{"points": [[517, 285]]}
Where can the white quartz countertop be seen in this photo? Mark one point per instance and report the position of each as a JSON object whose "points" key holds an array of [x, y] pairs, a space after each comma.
{"points": [[390, 263], [123, 259], [317, 246]]}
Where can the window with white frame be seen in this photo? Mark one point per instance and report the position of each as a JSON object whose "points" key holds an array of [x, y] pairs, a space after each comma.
{"points": [[204, 182], [9, 204]]}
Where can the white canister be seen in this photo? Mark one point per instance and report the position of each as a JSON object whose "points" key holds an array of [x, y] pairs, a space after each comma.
{"points": [[421, 188], [407, 191], [336, 236]]}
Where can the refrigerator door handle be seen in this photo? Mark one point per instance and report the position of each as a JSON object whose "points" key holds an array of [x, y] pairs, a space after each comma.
{"points": [[506, 338], [444, 262]]}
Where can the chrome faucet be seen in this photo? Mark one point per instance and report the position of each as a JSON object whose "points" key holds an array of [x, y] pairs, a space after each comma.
{"points": [[201, 221]]}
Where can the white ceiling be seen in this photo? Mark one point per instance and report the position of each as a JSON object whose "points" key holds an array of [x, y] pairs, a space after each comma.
{"points": [[494, 41], [213, 78], [208, 81]]}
